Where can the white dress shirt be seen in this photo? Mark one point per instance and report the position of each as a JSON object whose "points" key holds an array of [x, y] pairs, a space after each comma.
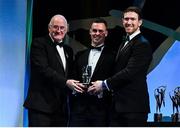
{"points": [[93, 58], [62, 55]]}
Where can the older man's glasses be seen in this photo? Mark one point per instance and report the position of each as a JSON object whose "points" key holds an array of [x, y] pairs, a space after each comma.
{"points": [[58, 27]]}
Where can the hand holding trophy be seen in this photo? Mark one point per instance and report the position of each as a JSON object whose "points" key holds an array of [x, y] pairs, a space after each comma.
{"points": [[175, 98], [159, 95]]}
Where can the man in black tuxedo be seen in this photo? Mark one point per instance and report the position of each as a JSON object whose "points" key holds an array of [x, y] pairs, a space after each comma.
{"points": [[130, 93], [50, 62], [87, 110]]}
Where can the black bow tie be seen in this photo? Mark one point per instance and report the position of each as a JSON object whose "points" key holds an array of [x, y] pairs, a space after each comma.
{"points": [[59, 44], [97, 48]]}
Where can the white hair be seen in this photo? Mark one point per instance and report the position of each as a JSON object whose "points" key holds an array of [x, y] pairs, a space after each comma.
{"points": [[58, 16]]}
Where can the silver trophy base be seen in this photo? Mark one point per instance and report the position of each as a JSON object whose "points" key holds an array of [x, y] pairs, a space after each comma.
{"points": [[175, 117], [158, 117]]}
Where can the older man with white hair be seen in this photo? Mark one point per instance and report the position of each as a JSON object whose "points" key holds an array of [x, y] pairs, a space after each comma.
{"points": [[50, 61]]}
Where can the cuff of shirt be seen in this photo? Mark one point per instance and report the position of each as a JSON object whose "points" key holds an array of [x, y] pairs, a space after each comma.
{"points": [[105, 86]]}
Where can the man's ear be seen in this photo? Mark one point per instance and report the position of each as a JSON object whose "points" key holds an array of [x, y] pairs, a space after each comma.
{"points": [[90, 31], [106, 33], [140, 22]]}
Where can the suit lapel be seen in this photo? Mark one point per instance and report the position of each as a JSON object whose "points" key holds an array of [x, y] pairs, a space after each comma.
{"points": [[59, 59], [101, 58], [119, 50], [67, 60], [127, 45], [56, 51], [86, 57]]}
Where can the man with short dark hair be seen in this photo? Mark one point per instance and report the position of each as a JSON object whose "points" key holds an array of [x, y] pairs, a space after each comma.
{"points": [[86, 109], [130, 92]]}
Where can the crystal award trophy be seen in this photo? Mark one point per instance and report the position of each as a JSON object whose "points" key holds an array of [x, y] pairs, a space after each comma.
{"points": [[175, 98], [86, 75], [159, 94]]}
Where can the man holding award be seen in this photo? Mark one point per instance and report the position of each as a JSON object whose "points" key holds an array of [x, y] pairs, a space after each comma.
{"points": [[96, 62], [130, 106]]}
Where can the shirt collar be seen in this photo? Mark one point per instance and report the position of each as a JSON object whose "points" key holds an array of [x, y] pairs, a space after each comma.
{"points": [[134, 34]]}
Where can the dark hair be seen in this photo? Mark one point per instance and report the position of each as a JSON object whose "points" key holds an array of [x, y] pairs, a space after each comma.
{"points": [[100, 20], [134, 9]]}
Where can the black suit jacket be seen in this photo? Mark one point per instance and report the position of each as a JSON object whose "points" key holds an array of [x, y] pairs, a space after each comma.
{"points": [[129, 82], [47, 89], [84, 102]]}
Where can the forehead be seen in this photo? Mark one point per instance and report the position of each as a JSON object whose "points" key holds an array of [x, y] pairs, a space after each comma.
{"points": [[98, 25], [131, 14], [58, 21]]}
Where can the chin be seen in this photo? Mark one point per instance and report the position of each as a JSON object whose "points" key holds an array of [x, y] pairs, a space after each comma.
{"points": [[58, 38], [129, 32]]}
